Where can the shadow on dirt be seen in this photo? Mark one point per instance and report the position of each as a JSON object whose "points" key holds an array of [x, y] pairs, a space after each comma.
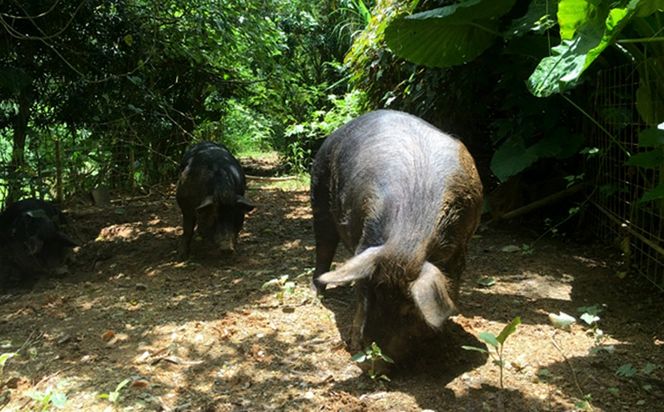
{"points": [[561, 275], [207, 335]]}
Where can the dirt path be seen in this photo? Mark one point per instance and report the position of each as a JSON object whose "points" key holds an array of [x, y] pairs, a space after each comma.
{"points": [[210, 335]]}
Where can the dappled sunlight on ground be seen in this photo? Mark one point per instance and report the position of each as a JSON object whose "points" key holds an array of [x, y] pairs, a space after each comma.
{"points": [[226, 333]]}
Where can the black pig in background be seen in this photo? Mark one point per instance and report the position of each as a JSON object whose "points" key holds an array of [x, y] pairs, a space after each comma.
{"points": [[31, 242], [210, 194]]}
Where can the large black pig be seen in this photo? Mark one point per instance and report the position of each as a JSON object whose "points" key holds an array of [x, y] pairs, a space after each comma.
{"points": [[210, 193], [406, 199], [31, 241]]}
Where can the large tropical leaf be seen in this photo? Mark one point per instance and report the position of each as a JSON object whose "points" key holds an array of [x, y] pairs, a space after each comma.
{"points": [[513, 155], [541, 16], [572, 14], [648, 7], [447, 36], [593, 28], [511, 158], [653, 194]]}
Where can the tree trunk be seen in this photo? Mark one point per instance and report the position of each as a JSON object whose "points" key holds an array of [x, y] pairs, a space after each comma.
{"points": [[73, 167], [15, 175], [132, 170], [58, 171]]}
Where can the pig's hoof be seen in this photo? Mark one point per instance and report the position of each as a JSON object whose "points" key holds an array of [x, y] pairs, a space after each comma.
{"points": [[317, 287]]}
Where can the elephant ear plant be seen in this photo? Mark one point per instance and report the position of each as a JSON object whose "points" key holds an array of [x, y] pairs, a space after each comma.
{"points": [[497, 343]]}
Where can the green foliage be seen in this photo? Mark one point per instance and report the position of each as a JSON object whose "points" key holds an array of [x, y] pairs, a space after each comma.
{"points": [[586, 29], [629, 371], [585, 403], [590, 316], [454, 34], [114, 395], [48, 398], [626, 371], [466, 32], [354, 15], [302, 139], [491, 87], [497, 343], [649, 160], [373, 353], [653, 137], [244, 129], [4, 357], [286, 287], [540, 17], [657, 193], [369, 64], [125, 87]]}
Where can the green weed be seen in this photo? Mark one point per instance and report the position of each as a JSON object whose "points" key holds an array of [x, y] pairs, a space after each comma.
{"points": [[285, 286], [4, 357], [114, 396], [372, 354], [48, 398], [497, 343]]}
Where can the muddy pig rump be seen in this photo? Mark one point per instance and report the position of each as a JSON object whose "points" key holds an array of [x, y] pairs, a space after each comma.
{"points": [[406, 199]]}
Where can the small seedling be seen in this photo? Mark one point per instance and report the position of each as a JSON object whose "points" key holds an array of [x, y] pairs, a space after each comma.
{"points": [[585, 404], [114, 395], [649, 368], [626, 371], [527, 249], [574, 179], [48, 398], [629, 371], [4, 357], [497, 343], [372, 354], [589, 315], [285, 286], [544, 374]]}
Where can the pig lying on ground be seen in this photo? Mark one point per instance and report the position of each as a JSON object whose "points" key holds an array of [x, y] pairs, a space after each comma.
{"points": [[32, 243]]}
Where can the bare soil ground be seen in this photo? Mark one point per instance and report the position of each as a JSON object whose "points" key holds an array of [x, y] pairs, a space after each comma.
{"points": [[214, 334]]}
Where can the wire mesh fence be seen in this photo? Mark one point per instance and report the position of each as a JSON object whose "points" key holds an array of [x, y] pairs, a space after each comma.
{"points": [[619, 215]]}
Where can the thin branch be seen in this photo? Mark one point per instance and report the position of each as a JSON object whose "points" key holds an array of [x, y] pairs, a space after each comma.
{"points": [[596, 123], [16, 34], [576, 381], [643, 40], [42, 14], [57, 33]]}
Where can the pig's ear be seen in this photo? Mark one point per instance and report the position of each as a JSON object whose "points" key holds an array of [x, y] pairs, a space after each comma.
{"points": [[206, 203], [244, 204], [429, 292], [358, 267]]}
